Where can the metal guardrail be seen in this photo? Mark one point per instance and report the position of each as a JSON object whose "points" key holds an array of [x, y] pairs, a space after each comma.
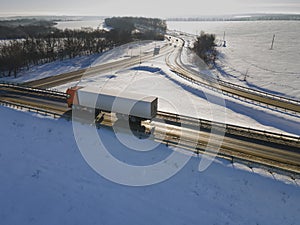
{"points": [[20, 87], [33, 109], [288, 139], [265, 94]]}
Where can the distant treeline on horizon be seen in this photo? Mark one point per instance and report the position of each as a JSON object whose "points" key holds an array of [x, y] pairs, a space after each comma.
{"points": [[29, 42], [249, 17]]}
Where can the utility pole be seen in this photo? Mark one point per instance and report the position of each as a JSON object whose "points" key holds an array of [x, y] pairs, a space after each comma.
{"points": [[246, 75], [224, 42], [140, 53], [272, 42]]}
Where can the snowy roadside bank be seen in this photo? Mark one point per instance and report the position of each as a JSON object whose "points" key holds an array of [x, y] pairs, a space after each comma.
{"points": [[45, 180]]}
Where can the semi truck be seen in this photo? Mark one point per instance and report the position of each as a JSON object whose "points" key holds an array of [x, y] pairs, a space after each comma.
{"points": [[136, 106]]}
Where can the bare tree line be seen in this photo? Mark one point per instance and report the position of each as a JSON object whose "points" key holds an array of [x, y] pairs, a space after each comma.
{"points": [[23, 53], [30, 42]]}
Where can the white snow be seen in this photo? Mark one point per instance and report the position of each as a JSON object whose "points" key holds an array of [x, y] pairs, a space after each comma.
{"points": [[175, 94], [45, 180], [52, 69], [248, 53], [182, 97], [77, 25], [59, 67]]}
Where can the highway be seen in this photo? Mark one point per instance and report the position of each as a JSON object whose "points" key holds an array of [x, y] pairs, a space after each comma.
{"points": [[186, 134], [231, 147], [274, 152], [279, 156], [37, 102], [64, 78], [175, 63]]}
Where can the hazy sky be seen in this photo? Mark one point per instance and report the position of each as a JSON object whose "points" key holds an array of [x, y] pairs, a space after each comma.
{"points": [[160, 8]]}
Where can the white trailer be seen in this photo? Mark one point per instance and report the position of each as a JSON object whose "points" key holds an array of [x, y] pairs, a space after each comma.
{"points": [[132, 104]]}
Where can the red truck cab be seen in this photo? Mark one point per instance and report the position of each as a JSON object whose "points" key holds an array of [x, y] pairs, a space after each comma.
{"points": [[72, 98]]}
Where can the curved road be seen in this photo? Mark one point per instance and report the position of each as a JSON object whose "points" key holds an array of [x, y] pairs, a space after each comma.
{"points": [[174, 62]]}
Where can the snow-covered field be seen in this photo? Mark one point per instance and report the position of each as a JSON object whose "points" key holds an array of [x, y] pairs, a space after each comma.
{"points": [[45, 180], [80, 24], [248, 53]]}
